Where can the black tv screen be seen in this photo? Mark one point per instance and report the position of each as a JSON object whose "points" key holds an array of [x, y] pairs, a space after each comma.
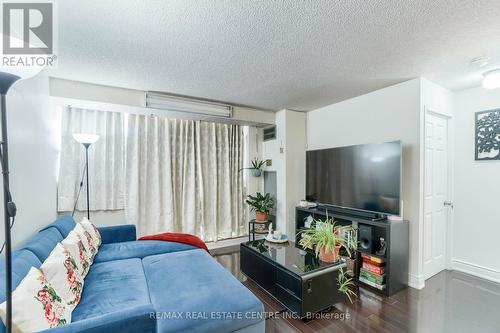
{"points": [[365, 177]]}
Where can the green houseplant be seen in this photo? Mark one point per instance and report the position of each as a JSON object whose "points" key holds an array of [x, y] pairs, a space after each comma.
{"points": [[324, 239], [256, 167], [346, 285], [261, 204]]}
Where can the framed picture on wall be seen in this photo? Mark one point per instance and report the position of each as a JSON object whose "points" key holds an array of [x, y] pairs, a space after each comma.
{"points": [[487, 135]]}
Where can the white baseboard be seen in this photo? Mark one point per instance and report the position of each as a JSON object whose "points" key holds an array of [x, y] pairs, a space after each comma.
{"points": [[416, 281], [483, 272]]}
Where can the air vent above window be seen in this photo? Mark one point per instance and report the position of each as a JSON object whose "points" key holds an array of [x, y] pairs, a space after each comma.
{"points": [[189, 105], [270, 133]]}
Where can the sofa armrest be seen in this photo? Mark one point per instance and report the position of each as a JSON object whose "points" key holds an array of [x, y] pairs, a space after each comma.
{"points": [[118, 233], [133, 320]]}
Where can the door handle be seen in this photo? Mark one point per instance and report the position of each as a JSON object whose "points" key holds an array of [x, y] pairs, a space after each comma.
{"points": [[448, 203]]}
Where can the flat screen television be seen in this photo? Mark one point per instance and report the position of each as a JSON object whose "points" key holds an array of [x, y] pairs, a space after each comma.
{"points": [[363, 177]]}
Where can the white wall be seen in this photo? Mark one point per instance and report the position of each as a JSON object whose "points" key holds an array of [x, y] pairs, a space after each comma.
{"points": [[295, 156], [274, 150], [33, 126], [392, 113], [476, 224], [287, 153]]}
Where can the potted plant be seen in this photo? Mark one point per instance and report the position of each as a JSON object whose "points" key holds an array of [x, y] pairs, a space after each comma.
{"points": [[325, 240], [256, 167], [349, 248], [346, 285], [261, 204]]}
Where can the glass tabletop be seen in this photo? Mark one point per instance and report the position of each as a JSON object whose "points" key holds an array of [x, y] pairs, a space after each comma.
{"points": [[289, 256]]}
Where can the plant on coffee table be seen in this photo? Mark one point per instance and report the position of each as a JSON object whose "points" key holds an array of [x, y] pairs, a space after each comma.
{"points": [[324, 239]]}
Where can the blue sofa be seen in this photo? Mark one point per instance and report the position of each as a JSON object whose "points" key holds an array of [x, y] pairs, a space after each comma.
{"points": [[146, 286]]}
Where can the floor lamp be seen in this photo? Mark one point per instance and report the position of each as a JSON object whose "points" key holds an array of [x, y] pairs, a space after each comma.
{"points": [[9, 76], [86, 140]]}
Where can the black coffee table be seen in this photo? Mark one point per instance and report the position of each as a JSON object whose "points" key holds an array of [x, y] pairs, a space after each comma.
{"points": [[293, 276]]}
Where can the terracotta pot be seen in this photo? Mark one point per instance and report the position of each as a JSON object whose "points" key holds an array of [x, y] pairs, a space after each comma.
{"points": [[330, 256], [260, 216]]}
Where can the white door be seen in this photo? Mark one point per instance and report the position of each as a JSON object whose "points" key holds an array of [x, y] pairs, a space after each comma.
{"points": [[435, 194]]}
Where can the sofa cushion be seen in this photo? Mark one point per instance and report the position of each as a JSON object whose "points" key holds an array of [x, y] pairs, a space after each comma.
{"points": [[64, 224], [22, 261], [61, 270], [202, 288], [37, 305], [44, 242], [87, 241], [73, 243], [112, 286], [118, 233], [137, 249], [92, 230]]}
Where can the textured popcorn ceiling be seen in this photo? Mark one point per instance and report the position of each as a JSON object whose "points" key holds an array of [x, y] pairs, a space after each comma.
{"points": [[275, 54]]}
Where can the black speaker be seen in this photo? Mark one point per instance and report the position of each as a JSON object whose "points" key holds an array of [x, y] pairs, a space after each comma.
{"points": [[366, 238]]}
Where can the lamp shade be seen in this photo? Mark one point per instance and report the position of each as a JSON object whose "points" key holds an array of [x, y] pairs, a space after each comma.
{"points": [[22, 71], [85, 139], [11, 73], [491, 79]]}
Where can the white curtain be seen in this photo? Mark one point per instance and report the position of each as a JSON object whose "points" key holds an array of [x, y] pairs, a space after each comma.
{"points": [[106, 160], [183, 176]]}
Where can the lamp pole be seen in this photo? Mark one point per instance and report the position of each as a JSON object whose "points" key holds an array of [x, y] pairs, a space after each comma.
{"points": [[87, 145], [6, 81], [86, 140]]}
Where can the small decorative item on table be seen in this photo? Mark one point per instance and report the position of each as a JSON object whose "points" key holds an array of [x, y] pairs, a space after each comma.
{"points": [[277, 237]]}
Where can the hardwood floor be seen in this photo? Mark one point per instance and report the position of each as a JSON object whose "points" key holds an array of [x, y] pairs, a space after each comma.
{"points": [[450, 302]]}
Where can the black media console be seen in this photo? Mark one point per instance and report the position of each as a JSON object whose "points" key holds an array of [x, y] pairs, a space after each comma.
{"points": [[395, 234]]}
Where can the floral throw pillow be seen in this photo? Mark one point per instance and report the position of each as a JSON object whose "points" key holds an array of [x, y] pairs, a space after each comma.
{"points": [[74, 244], [36, 305], [61, 270], [94, 233], [87, 241]]}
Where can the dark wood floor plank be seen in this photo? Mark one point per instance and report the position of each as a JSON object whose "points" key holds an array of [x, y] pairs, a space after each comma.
{"points": [[450, 302]]}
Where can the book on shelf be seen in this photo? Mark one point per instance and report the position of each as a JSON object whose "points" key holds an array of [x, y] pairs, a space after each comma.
{"points": [[372, 284], [374, 259], [370, 267], [378, 279], [373, 263]]}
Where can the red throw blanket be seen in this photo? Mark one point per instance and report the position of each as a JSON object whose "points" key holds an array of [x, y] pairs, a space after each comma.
{"points": [[178, 238]]}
